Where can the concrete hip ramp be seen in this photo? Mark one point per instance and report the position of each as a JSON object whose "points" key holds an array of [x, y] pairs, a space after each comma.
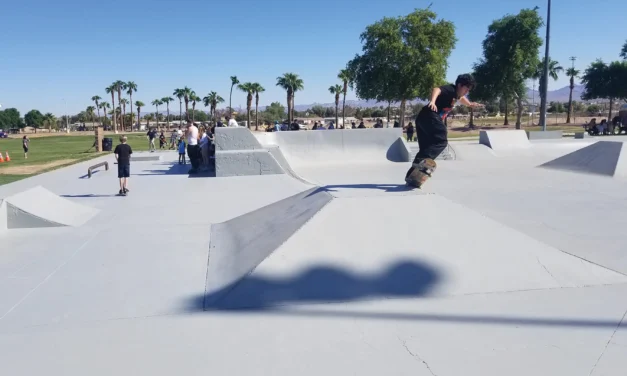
{"points": [[606, 158], [38, 207]]}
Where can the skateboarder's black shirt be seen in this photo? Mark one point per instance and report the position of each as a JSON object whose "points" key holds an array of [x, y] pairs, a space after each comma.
{"points": [[124, 152], [444, 102]]}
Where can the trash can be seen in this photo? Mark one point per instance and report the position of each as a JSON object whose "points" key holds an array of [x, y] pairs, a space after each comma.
{"points": [[107, 144]]}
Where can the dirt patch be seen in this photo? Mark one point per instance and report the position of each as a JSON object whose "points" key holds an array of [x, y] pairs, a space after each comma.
{"points": [[33, 169]]}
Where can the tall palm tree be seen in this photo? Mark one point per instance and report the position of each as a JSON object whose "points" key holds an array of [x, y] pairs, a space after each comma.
{"points": [[96, 99], [249, 89], [336, 90], [234, 81], [123, 103], [157, 103], [148, 117], [50, 119], [167, 101], [194, 98], [104, 106], [345, 77], [187, 93], [139, 105], [257, 88], [554, 69], [131, 87], [111, 90], [291, 83], [119, 86], [572, 73], [179, 94], [212, 99], [90, 112]]}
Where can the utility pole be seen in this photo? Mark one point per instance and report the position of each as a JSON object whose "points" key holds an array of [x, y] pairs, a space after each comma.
{"points": [[546, 69]]}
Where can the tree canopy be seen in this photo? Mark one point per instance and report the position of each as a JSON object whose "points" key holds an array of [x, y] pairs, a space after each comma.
{"points": [[10, 118], [623, 52], [34, 118], [605, 81]]}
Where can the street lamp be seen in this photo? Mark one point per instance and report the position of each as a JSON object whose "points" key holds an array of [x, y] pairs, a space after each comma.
{"points": [[67, 121], [545, 74]]}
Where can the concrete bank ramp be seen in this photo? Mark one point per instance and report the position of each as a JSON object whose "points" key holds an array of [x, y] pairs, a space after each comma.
{"points": [[505, 140], [239, 153], [328, 147], [606, 158], [237, 246], [365, 248], [38, 207]]}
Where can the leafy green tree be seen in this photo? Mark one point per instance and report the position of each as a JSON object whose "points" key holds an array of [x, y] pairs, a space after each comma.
{"points": [[572, 73], [10, 118], [605, 81], [317, 110], [34, 118], [623, 52], [336, 90], [510, 54], [257, 88], [234, 81], [249, 89], [291, 83], [403, 58], [593, 109], [274, 112]]}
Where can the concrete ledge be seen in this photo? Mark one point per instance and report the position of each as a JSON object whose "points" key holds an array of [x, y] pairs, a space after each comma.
{"points": [[544, 135], [236, 138], [246, 163], [240, 244], [504, 139], [145, 158], [581, 135]]}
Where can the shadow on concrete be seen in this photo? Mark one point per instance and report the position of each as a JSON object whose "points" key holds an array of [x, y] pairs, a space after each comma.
{"points": [[384, 187], [320, 284], [86, 176], [89, 195], [175, 169]]}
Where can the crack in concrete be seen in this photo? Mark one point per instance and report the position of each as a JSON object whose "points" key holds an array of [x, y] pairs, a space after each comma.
{"points": [[608, 343], [546, 269], [404, 344]]}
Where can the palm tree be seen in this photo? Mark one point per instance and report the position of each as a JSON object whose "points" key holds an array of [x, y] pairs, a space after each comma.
{"points": [[212, 99], [249, 89], [167, 101], [554, 69], [257, 88], [148, 117], [104, 106], [51, 119], [96, 99], [234, 81], [336, 90], [139, 105], [179, 94], [194, 98], [130, 88], [572, 73], [291, 83], [111, 90], [123, 102], [157, 103], [119, 86], [345, 77], [90, 112], [187, 93], [623, 51]]}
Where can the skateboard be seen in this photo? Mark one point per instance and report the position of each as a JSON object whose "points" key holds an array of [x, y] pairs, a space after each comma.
{"points": [[420, 172]]}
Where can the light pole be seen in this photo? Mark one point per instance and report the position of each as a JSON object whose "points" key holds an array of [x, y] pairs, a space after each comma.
{"points": [[571, 111], [67, 121], [545, 74]]}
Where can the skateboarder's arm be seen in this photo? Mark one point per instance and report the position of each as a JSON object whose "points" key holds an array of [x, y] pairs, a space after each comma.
{"points": [[468, 103], [435, 93]]}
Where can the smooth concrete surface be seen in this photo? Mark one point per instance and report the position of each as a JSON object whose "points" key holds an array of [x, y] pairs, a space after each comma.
{"points": [[37, 207], [496, 267], [504, 139], [600, 158], [544, 135], [237, 246], [235, 138], [245, 163], [579, 135]]}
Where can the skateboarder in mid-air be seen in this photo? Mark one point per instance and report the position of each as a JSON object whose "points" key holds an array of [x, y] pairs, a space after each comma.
{"points": [[431, 130]]}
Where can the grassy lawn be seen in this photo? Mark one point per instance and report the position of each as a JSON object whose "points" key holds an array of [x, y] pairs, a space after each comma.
{"points": [[49, 153]]}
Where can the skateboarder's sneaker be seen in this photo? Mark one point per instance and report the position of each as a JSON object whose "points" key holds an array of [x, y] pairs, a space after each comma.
{"points": [[420, 172]]}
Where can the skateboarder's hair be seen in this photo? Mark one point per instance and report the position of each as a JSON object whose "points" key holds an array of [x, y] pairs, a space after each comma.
{"points": [[465, 80], [123, 139]]}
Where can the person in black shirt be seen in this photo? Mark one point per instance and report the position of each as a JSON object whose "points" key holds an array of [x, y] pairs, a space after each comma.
{"points": [[123, 155], [430, 128]]}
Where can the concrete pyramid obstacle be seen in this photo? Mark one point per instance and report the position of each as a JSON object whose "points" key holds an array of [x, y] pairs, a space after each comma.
{"points": [[605, 158], [38, 207], [503, 140]]}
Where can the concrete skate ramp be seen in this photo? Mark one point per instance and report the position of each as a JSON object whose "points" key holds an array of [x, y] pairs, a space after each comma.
{"points": [[368, 248], [600, 158], [239, 153], [504, 140], [38, 207], [310, 148], [240, 244]]}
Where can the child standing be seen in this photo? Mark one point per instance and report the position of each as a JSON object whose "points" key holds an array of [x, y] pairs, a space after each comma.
{"points": [[182, 151], [431, 130], [123, 155], [25, 142]]}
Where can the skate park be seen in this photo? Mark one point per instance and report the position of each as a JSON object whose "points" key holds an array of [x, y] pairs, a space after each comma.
{"points": [[304, 252]]}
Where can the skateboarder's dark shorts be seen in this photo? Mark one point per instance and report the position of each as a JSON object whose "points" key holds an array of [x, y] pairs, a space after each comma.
{"points": [[124, 171]]}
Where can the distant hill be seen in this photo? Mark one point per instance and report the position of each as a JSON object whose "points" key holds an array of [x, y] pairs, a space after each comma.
{"points": [[559, 95]]}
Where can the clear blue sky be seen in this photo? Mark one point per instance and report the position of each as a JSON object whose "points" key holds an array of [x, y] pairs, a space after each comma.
{"points": [[51, 50]]}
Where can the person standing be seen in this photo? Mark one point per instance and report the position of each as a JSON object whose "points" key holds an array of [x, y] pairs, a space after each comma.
{"points": [[410, 132], [25, 143], [152, 134], [192, 146], [123, 156]]}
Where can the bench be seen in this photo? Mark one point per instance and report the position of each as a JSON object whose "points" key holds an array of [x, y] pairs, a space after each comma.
{"points": [[90, 169]]}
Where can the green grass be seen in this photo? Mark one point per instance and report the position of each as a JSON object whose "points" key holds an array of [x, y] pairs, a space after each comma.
{"points": [[48, 149]]}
